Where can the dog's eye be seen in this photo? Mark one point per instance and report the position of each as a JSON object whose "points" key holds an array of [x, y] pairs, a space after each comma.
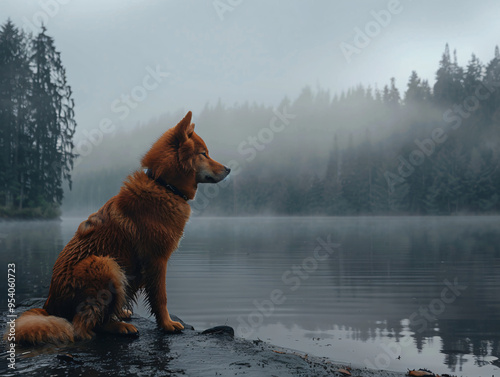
{"points": [[204, 154]]}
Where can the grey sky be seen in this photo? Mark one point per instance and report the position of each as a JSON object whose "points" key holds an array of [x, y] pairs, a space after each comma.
{"points": [[258, 51]]}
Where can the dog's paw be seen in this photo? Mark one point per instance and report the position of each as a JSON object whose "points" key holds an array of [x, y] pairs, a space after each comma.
{"points": [[125, 314], [121, 328], [127, 329], [172, 326]]}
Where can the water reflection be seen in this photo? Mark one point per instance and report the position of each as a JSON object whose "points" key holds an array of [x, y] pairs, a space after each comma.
{"points": [[382, 287], [386, 272], [33, 246]]}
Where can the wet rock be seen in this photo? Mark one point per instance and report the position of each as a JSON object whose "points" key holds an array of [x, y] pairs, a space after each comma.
{"points": [[213, 352], [66, 357], [220, 330]]}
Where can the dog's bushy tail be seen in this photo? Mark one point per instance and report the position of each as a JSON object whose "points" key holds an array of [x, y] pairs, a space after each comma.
{"points": [[36, 327]]}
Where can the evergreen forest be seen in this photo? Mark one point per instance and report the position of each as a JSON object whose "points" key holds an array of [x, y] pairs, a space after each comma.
{"points": [[36, 125]]}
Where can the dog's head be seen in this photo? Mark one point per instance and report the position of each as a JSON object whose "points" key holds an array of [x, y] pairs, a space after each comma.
{"points": [[181, 158]]}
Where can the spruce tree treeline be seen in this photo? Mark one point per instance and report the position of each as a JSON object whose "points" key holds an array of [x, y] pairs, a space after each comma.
{"points": [[36, 124], [439, 153], [430, 150]]}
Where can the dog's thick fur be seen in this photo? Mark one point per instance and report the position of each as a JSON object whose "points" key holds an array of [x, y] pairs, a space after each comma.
{"points": [[124, 247]]}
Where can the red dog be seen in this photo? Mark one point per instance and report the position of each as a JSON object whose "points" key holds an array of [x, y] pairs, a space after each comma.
{"points": [[125, 246]]}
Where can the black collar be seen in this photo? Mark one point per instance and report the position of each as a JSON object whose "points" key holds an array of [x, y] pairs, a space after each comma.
{"points": [[161, 182]]}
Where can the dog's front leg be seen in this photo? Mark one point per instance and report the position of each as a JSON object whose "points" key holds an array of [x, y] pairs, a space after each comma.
{"points": [[156, 292]]}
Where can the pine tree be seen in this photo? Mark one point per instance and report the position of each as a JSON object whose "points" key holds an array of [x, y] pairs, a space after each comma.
{"points": [[481, 193], [398, 202], [491, 80], [473, 75], [15, 86], [412, 94], [492, 73], [352, 181], [314, 200], [418, 91], [381, 192], [391, 94], [334, 203], [394, 97], [447, 193], [448, 87], [53, 122]]}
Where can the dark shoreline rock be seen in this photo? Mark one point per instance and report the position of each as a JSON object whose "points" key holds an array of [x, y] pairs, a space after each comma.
{"points": [[213, 352]]}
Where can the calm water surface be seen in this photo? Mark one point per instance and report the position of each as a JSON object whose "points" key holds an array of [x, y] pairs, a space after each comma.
{"points": [[381, 292]]}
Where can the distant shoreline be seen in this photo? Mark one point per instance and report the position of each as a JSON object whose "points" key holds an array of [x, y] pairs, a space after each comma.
{"points": [[36, 213], [56, 214]]}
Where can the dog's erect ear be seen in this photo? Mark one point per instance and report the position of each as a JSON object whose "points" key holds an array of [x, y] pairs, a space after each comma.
{"points": [[190, 130], [184, 129]]}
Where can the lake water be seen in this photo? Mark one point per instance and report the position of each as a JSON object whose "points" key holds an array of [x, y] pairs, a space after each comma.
{"points": [[382, 292]]}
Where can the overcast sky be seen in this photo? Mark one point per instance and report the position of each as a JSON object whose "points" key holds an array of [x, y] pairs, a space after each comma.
{"points": [[170, 55]]}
